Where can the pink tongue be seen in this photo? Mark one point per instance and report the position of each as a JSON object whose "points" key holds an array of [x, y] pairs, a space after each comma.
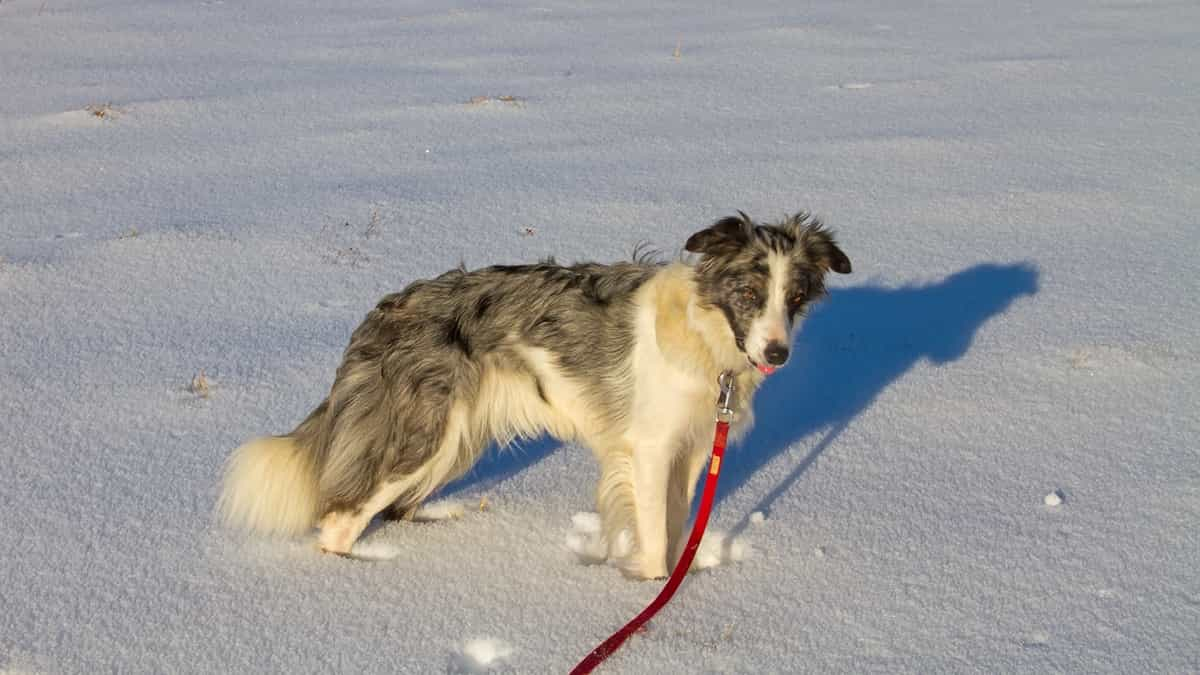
{"points": [[764, 369]]}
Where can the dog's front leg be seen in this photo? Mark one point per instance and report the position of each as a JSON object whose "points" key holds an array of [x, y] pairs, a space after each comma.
{"points": [[680, 493], [632, 500], [651, 474]]}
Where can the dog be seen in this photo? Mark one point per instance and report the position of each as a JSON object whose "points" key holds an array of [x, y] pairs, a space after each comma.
{"points": [[623, 358]]}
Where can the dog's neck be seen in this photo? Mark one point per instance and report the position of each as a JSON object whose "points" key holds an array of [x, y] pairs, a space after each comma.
{"points": [[709, 326], [693, 336]]}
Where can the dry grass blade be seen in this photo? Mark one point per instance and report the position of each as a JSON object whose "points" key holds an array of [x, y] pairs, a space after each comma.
{"points": [[104, 111], [485, 100], [199, 385]]}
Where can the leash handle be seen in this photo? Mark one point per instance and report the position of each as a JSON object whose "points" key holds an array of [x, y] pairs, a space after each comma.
{"points": [[613, 643]]}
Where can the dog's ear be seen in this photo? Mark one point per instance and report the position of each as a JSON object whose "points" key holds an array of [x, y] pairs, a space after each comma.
{"points": [[825, 252], [817, 243], [727, 234]]}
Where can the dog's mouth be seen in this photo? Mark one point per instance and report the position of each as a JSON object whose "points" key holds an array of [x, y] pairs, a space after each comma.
{"points": [[762, 367]]}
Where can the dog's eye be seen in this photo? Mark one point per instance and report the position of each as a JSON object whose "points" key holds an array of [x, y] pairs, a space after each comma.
{"points": [[799, 293], [748, 295]]}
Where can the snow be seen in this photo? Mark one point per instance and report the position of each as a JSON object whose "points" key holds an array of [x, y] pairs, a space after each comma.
{"points": [[199, 201], [719, 548], [482, 655], [584, 540]]}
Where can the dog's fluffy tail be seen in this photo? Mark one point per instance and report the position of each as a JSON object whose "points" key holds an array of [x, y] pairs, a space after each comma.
{"points": [[270, 487]]}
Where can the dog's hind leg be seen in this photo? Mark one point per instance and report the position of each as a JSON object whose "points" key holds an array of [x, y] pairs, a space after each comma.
{"points": [[404, 492], [340, 529]]}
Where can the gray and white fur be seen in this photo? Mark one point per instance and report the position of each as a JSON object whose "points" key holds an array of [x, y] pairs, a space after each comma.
{"points": [[623, 358]]}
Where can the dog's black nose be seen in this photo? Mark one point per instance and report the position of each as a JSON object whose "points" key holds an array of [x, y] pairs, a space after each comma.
{"points": [[776, 353]]}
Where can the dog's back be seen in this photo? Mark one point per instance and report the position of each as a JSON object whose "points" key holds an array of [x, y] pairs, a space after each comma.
{"points": [[440, 369]]}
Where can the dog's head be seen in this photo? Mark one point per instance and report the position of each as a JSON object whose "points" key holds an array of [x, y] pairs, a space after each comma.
{"points": [[762, 277]]}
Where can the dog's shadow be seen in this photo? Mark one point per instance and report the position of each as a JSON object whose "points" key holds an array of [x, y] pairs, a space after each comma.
{"points": [[853, 345]]}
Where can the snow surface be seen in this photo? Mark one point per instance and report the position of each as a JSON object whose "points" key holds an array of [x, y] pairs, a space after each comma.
{"points": [[227, 188], [482, 655]]}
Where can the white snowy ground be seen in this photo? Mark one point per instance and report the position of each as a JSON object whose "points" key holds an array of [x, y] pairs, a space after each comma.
{"points": [[1017, 185]]}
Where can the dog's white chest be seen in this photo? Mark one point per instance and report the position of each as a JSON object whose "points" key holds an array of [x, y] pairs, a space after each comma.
{"points": [[672, 405]]}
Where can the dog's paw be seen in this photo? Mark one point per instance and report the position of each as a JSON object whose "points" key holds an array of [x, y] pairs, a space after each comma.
{"points": [[370, 551], [633, 563], [587, 544], [446, 509], [641, 570], [363, 551], [441, 510]]}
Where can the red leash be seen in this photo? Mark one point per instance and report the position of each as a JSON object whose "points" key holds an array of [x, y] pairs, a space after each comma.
{"points": [[612, 644]]}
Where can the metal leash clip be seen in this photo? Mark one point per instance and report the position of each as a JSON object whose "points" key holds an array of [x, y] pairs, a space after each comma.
{"points": [[725, 398]]}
